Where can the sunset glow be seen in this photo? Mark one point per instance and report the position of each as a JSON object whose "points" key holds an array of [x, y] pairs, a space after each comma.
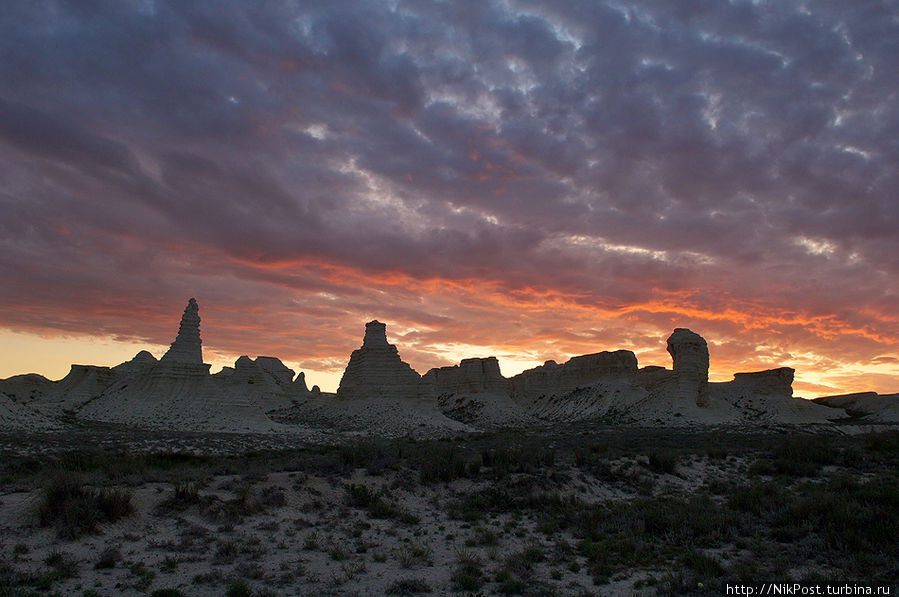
{"points": [[529, 180]]}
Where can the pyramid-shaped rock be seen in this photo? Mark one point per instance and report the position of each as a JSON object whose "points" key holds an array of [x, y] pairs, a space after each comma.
{"points": [[376, 370], [187, 345]]}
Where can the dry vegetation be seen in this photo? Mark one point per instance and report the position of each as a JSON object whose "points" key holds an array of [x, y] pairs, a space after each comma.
{"points": [[557, 513]]}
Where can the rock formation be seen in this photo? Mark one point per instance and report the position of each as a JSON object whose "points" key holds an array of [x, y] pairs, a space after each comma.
{"points": [[81, 385], [141, 363], [265, 377], [772, 382], [187, 345], [867, 407], [376, 369], [578, 372], [690, 355], [470, 376]]}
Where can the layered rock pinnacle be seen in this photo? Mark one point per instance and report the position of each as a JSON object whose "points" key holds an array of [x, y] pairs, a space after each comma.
{"points": [[690, 355], [187, 345], [376, 369]]}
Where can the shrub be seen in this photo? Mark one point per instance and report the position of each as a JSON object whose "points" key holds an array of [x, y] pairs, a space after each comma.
{"points": [[663, 462], [167, 593], [108, 558], [442, 463], [239, 588], [408, 586], [467, 574], [77, 510], [64, 564]]}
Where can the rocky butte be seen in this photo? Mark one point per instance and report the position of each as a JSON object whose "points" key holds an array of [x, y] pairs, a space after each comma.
{"points": [[376, 369]]}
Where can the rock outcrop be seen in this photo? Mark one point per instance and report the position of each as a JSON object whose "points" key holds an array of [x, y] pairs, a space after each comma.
{"points": [[470, 376], [578, 372], [474, 392], [771, 382], [187, 347], [141, 363], [83, 384], [265, 381], [690, 354], [376, 370], [866, 407]]}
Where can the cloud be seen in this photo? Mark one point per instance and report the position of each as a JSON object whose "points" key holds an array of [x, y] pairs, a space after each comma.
{"points": [[507, 171]]}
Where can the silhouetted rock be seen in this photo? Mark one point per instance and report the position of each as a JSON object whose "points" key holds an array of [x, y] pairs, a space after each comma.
{"points": [[651, 376], [187, 345], [376, 369], [279, 371], [81, 385], [142, 362], [470, 376], [578, 372], [772, 382], [690, 355], [870, 407]]}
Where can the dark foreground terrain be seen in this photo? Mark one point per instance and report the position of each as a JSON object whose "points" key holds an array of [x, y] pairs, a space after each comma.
{"points": [[555, 512]]}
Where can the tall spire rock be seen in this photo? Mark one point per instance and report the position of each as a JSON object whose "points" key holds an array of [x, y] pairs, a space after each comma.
{"points": [[690, 356], [187, 346], [376, 369]]}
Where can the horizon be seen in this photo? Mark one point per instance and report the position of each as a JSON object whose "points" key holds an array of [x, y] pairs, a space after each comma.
{"points": [[329, 381], [517, 179]]}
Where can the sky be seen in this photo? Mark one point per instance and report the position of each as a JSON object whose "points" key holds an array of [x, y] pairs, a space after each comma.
{"points": [[530, 180]]}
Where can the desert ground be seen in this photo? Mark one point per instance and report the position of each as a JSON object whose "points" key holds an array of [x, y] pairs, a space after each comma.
{"points": [[567, 510]]}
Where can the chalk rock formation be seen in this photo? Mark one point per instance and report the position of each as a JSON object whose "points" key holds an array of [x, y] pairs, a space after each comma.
{"points": [[865, 407], [767, 397], [469, 376], [28, 386], [187, 345], [280, 372], [264, 378], [141, 363], [16, 415], [652, 375], [83, 384], [376, 370], [579, 372], [178, 393], [772, 382], [690, 355], [474, 392]]}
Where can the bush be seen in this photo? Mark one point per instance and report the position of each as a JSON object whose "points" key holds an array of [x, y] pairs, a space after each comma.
{"points": [[408, 586], [467, 574], [797, 456], [239, 588], [663, 462], [77, 510], [108, 558]]}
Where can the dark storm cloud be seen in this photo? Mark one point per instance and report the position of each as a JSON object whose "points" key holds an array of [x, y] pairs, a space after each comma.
{"points": [[609, 151]]}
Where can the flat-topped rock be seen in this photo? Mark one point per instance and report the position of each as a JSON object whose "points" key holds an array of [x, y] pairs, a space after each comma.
{"points": [[578, 372], [470, 376], [690, 355], [82, 384], [771, 382], [187, 347], [376, 369]]}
